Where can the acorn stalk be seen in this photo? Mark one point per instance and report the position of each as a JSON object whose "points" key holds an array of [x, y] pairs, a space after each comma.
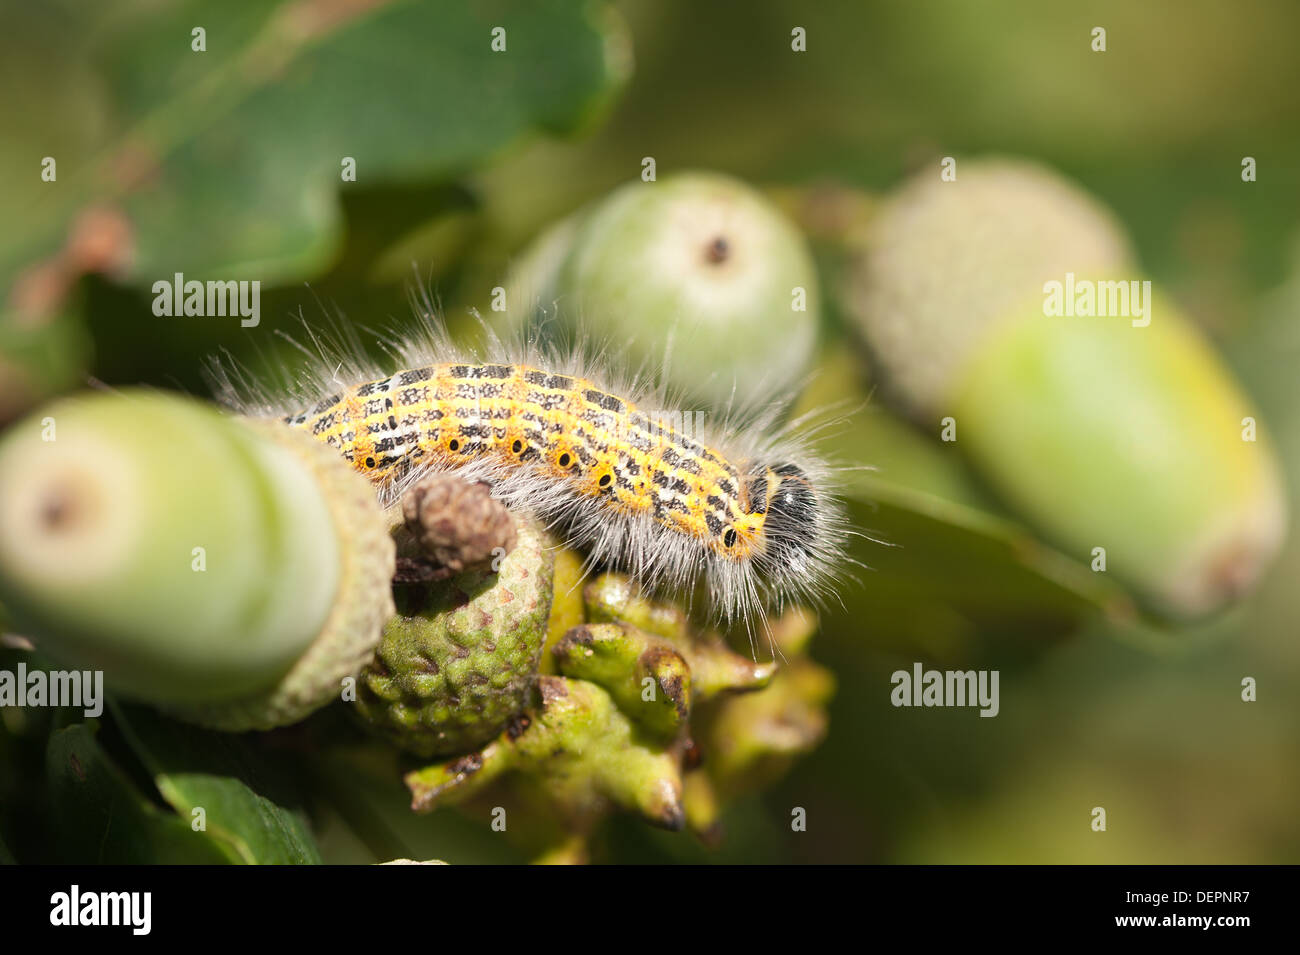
{"points": [[227, 570]]}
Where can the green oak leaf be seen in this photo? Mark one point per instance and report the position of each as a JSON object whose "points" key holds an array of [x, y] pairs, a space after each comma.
{"points": [[243, 796], [228, 161]]}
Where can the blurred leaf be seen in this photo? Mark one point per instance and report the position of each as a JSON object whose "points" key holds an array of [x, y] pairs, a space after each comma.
{"points": [[228, 161], [241, 793], [1266, 353], [40, 358], [101, 816], [362, 783]]}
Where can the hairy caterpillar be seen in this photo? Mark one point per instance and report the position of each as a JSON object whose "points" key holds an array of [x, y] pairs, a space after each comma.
{"points": [[746, 507]]}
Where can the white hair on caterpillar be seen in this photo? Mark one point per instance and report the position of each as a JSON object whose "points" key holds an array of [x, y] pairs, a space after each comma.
{"points": [[799, 559]]}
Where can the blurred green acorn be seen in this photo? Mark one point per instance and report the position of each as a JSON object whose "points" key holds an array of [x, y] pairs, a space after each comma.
{"points": [[229, 571], [1116, 430], [697, 267]]}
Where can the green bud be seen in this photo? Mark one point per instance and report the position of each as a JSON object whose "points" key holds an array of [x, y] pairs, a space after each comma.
{"points": [[714, 667], [648, 679], [748, 740], [583, 752]]}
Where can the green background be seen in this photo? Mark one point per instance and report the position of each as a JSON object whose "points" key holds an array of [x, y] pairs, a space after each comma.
{"points": [[227, 162]]}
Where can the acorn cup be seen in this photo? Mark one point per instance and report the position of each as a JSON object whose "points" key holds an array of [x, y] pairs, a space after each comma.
{"points": [[460, 658], [697, 274], [231, 572], [1005, 313]]}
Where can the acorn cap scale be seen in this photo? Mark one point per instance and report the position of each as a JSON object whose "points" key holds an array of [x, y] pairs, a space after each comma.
{"points": [[459, 659]]}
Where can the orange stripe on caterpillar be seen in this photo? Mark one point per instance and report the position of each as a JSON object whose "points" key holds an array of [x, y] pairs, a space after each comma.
{"points": [[565, 428], [745, 507]]}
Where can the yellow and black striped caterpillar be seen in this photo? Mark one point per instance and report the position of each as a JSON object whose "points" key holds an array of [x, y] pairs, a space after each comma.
{"points": [[747, 509]]}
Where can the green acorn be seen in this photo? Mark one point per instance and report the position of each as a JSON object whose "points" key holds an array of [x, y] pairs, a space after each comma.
{"points": [[461, 656], [1008, 301], [698, 268], [230, 571]]}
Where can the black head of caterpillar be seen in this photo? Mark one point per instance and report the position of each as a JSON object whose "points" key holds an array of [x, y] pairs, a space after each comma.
{"points": [[785, 497]]}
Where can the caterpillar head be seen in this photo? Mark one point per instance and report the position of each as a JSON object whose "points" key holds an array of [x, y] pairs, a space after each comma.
{"points": [[786, 497]]}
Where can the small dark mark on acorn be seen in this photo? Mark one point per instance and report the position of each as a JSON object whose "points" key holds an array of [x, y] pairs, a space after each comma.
{"points": [[718, 251], [55, 511], [672, 818], [692, 756], [517, 726], [551, 688], [580, 635], [467, 765], [672, 688]]}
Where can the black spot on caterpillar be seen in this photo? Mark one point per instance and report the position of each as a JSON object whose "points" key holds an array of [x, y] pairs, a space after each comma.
{"points": [[610, 464]]}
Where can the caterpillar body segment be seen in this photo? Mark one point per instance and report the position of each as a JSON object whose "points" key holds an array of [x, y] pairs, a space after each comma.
{"points": [[565, 428], [653, 492]]}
